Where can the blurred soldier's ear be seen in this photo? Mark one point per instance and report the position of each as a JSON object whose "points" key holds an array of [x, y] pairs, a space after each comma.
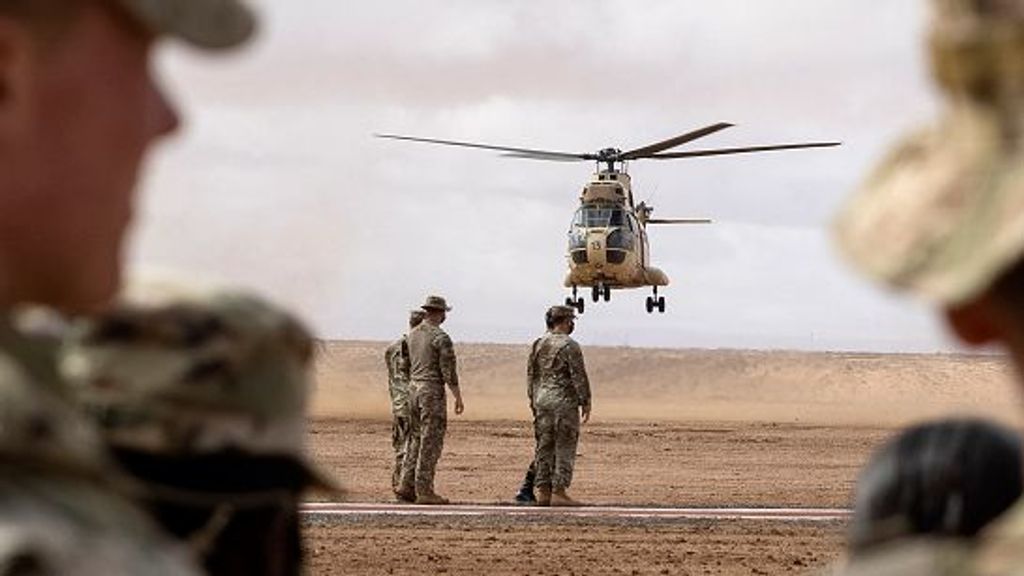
{"points": [[17, 51], [976, 322]]}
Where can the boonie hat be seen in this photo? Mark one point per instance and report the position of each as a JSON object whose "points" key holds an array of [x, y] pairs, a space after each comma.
{"points": [[209, 24], [943, 215], [436, 303]]}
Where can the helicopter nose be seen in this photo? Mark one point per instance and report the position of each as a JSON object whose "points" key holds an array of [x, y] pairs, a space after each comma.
{"points": [[596, 244]]}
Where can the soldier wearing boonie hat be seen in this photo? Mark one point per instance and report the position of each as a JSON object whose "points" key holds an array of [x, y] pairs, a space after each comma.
{"points": [[396, 359], [432, 367], [203, 400], [942, 217], [81, 109]]}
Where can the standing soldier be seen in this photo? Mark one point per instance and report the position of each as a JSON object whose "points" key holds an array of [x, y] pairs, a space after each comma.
{"points": [[943, 217], [431, 368], [396, 358], [559, 394]]}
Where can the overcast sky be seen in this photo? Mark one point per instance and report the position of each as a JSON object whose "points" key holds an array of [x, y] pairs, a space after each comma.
{"points": [[276, 183]]}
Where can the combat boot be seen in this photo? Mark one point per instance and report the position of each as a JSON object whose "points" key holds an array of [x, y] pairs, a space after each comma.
{"points": [[560, 498], [544, 496], [526, 497], [405, 495], [431, 498]]}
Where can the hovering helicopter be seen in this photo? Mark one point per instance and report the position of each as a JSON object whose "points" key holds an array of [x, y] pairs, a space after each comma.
{"points": [[608, 246]]}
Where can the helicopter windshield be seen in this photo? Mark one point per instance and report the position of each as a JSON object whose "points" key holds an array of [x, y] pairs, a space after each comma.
{"points": [[594, 217]]}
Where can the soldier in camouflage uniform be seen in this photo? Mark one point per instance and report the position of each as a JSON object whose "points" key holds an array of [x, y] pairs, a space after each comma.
{"points": [[559, 394], [396, 358], [78, 111], [943, 217], [203, 400], [431, 368]]}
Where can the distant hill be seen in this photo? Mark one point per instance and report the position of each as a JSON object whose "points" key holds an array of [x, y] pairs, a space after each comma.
{"points": [[664, 384]]}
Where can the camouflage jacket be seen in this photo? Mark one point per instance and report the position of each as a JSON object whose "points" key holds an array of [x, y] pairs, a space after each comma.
{"points": [[432, 356], [997, 551], [59, 513], [556, 376], [396, 358]]}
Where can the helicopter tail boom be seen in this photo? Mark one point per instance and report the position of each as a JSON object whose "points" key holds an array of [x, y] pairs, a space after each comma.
{"points": [[679, 221]]}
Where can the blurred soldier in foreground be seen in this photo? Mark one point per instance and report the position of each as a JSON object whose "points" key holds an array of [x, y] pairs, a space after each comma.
{"points": [[559, 394], [396, 358], [946, 478], [943, 217], [431, 368], [203, 401], [78, 112]]}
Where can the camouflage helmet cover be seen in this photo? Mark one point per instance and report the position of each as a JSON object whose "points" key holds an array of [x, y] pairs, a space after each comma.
{"points": [[556, 314], [416, 316], [196, 375]]}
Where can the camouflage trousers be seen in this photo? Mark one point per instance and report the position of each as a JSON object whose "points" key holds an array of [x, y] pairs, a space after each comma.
{"points": [[428, 422], [558, 433], [399, 437]]}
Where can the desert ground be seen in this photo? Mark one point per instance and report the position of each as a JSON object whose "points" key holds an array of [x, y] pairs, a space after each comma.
{"points": [[693, 428]]}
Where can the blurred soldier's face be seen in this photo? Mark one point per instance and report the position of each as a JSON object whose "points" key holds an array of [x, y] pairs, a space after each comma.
{"points": [[76, 118]]}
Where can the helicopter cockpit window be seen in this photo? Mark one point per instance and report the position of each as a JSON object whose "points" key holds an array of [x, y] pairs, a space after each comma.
{"points": [[593, 217]]}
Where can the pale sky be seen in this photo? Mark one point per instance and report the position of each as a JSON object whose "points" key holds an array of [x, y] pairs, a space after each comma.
{"points": [[277, 185]]}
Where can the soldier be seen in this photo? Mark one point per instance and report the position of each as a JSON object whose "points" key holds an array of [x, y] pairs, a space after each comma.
{"points": [[396, 358], [559, 394], [78, 111], [943, 217], [431, 368], [203, 400]]}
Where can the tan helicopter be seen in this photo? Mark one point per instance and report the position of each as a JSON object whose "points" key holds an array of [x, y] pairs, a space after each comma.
{"points": [[608, 247]]}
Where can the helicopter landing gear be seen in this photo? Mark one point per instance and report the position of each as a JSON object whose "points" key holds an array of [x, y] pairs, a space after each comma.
{"points": [[656, 302], [600, 291], [574, 302]]}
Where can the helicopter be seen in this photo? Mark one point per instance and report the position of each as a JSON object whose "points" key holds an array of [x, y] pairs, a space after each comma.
{"points": [[608, 247]]}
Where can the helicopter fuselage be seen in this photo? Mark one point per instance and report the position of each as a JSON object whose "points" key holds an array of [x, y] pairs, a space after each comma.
{"points": [[608, 245]]}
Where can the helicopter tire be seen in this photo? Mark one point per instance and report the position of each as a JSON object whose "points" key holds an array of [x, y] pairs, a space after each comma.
{"points": [[595, 293], [661, 304], [580, 305], [570, 302], [650, 304], [607, 293]]}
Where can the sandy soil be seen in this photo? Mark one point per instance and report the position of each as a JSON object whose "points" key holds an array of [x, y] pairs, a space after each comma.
{"points": [[670, 427]]}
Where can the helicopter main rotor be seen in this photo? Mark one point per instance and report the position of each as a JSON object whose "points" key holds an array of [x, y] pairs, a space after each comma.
{"points": [[611, 157]]}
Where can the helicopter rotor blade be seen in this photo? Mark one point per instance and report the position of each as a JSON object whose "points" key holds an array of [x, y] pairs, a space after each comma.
{"points": [[679, 221], [674, 141], [743, 150], [546, 156], [518, 152]]}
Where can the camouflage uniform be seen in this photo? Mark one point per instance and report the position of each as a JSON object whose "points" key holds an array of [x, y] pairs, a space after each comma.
{"points": [[62, 504], [203, 400], [943, 217], [431, 367], [557, 387], [396, 358]]}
